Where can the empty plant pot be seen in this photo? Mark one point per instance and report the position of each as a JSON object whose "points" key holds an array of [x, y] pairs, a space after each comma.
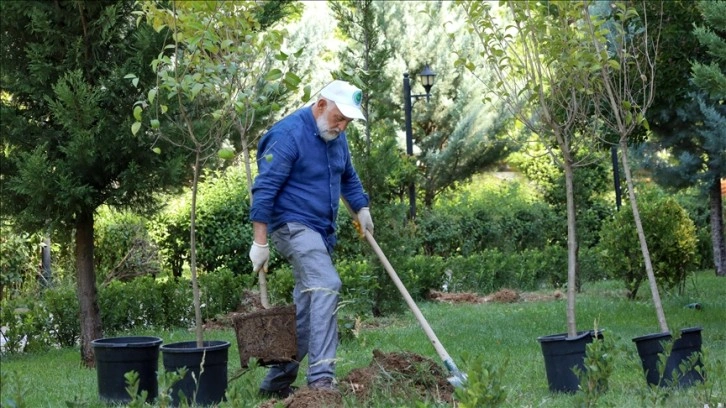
{"points": [[651, 348], [116, 356], [561, 355], [205, 382], [269, 335]]}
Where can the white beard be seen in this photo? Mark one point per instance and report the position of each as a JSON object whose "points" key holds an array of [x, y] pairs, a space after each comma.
{"points": [[323, 128]]}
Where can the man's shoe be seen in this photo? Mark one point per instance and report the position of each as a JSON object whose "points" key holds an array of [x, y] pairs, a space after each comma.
{"points": [[279, 394], [325, 383]]}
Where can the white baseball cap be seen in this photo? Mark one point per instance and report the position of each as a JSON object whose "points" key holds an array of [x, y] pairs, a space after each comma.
{"points": [[346, 97]]}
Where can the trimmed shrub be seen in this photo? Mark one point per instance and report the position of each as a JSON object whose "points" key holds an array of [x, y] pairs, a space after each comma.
{"points": [[62, 305], [123, 248], [19, 259], [221, 291], [223, 229], [671, 238], [25, 321]]}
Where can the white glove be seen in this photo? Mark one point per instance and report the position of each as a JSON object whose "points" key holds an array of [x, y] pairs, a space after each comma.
{"points": [[365, 220], [259, 255]]}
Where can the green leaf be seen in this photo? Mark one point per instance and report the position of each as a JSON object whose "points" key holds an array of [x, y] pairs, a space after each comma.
{"points": [[155, 123], [135, 127], [273, 75], [268, 157], [196, 89], [226, 153], [137, 113], [152, 95], [292, 80], [156, 150]]}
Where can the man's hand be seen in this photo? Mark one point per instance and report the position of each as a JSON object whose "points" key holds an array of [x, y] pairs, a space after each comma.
{"points": [[365, 221], [259, 255]]}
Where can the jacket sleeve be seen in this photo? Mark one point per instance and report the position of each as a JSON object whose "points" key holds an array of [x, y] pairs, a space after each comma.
{"points": [[275, 155]]}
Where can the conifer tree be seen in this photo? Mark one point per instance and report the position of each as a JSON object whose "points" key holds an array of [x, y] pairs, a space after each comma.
{"points": [[66, 119], [689, 117]]}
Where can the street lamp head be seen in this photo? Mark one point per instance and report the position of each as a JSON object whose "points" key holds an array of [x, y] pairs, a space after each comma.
{"points": [[427, 78]]}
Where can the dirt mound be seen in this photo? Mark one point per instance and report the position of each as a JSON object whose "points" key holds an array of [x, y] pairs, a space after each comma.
{"points": [[404, 375], [308, 398], [400, 376], [455, 297], [500, 296], [503, 296]]}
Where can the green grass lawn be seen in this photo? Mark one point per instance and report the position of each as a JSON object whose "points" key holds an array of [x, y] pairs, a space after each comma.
{"points": [[504, 335]]}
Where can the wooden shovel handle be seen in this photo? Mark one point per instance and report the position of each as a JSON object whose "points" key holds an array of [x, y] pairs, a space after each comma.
{"points": [[264, 299], [440, 350]]}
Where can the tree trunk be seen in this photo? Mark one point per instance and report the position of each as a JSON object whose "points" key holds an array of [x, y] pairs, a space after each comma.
{"points": [[90, 317], [641, 237], [571, 248], [246, 159], [193, 256], [717, 229]]}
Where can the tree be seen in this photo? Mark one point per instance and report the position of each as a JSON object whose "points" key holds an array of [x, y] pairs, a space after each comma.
{"points": [[626, 47], [364, 61], [65, 121], [689, 119], [456, 134], [219, 76], [542, 66]]}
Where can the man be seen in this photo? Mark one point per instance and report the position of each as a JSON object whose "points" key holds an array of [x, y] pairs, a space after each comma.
{"points": [[304, 168]]}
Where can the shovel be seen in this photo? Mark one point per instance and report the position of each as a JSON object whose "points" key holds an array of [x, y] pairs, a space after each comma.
{"points": [[457, 378]]}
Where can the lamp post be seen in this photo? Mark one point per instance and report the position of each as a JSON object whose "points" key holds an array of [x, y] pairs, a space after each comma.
{"points": [[427, 80]]}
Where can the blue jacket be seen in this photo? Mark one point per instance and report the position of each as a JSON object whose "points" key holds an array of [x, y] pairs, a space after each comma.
{"points": [[301, 177]]}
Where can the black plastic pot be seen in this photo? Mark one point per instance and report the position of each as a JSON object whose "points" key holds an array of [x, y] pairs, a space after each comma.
{"points": [[116, 356], [650, 347], [561, 355], [208, 364]]}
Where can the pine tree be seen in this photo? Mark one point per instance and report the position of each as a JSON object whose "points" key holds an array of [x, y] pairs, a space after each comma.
{"points": [[689, 119], [66, 138]]}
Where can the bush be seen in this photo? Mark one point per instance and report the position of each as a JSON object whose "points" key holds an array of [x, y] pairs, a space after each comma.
{"points": [[671, 238], [62, 305], [24, 320], [223, 229], [19, 259], [123, 248], [221, 291], [503, 219]]}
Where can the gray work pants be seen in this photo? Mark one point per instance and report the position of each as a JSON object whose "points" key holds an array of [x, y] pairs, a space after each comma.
{"points": [[316, 294]]}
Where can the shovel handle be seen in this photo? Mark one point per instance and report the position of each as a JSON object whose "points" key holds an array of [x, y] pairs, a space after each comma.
{"points": [[264, 299], [409, 300]]}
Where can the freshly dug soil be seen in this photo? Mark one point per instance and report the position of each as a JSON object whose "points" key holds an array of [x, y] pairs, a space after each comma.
{"points": [[404, 375], [401, 376]]}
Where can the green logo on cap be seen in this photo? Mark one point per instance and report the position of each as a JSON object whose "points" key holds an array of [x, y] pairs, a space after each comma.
{"points": [[357, 97]]}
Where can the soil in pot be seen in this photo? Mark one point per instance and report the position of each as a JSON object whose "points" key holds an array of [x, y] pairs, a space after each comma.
{"points": [[269, 335], [686, 351], [561, 355], [205, 382], [116, 356]]}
